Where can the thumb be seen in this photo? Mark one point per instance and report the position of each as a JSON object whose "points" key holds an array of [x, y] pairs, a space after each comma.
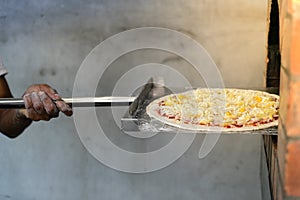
{"points": [[24, 112]]}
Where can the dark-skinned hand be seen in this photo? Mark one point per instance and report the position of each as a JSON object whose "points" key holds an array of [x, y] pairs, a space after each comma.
{"points": [[43, 103]]}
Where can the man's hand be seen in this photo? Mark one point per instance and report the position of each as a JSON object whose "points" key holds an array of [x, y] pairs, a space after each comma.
{"points": [[43, 103]]}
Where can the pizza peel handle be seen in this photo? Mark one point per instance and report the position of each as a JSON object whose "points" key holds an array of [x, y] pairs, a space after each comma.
{"points": [[74, 102]]}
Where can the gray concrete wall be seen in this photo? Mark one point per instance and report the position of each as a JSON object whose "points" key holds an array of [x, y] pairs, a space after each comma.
{"points": [[46, 41]]}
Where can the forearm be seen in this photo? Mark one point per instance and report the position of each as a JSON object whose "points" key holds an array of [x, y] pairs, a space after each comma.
{"points": [[41, 103], [13, 122]]}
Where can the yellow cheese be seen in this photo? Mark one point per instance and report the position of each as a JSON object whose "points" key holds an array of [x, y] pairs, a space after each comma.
{"points": [[234, 106]]}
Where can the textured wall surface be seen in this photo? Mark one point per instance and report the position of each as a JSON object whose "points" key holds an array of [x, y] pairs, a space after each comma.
{"points": [[46, 41], [288, 175]]}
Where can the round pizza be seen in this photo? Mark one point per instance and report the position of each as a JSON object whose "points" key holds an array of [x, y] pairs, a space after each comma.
{"points": [[217, 109]]}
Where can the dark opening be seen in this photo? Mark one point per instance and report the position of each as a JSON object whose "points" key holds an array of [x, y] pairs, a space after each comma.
{"points": [[273, 65], [272, 80]]}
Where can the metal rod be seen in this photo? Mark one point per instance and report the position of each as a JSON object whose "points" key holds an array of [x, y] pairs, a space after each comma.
{"points": [[75, 102]]}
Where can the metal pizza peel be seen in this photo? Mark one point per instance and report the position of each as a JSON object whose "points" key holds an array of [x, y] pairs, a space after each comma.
{"points": [[136, 119]]}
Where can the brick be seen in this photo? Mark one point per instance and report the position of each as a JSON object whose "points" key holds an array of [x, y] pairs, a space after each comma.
{"points": [[289, 7], [281, 149], [274, 170], [289, 108], [293, 110], [295, 48], [285, 40], [268, 143], [273, 157], [270, 154], [280, 3], [280, 163], [289, 36], [284, 92], [292, 172], [275, 178], [292, 6], [279, 189], [282, 16]]}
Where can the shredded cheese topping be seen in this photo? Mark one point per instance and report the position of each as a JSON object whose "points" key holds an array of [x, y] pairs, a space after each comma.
{"points": [[221, 107]]}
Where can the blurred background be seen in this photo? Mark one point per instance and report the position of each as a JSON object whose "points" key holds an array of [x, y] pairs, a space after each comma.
{"points": [[46, 42]]}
